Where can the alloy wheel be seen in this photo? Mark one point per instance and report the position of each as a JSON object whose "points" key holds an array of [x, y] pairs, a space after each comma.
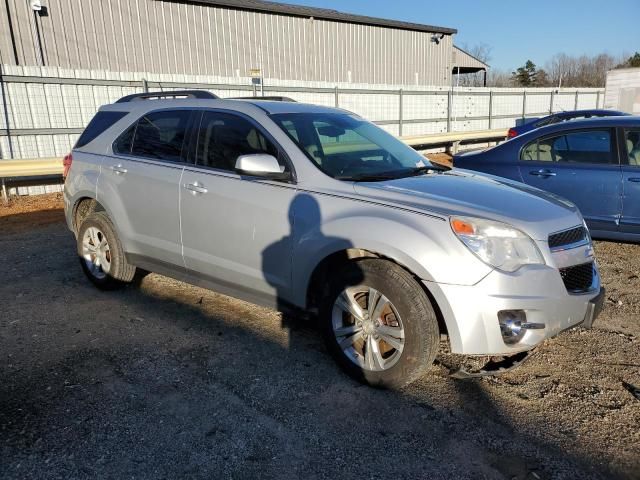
{"points": [[368, 328]]}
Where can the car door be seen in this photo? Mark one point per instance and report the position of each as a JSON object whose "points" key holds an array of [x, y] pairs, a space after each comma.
{"points": [[630, 220], [141, 185], [236, 229], [581, 166]]}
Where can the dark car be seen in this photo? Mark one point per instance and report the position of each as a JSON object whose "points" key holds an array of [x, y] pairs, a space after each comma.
{"points": [[594, 163], [561, 117]]}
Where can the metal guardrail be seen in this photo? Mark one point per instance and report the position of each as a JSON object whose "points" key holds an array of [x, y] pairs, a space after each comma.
{"points": [[30, 167], [39, 167], [20, 171], [454, 139]]}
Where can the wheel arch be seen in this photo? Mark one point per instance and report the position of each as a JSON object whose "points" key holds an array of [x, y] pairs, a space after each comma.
{"points": [[82, 208], [317, 286]]}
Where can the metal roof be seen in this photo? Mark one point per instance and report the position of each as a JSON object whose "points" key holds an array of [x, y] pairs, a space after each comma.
{"points": [[465, 62], [320, 13]]}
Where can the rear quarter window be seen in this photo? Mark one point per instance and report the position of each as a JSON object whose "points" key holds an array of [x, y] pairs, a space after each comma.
{"points": [[98, 124], [160, 135]]}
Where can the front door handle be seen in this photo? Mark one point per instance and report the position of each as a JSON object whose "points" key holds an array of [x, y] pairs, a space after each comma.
{"points": [[118, 169], [542, 173], [634, 179], [196, 188]]}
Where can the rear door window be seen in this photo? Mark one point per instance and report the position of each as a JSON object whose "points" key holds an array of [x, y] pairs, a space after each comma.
{"points": [[156, 135], [590, 146], [98, 124], [587, 146], [123, 143]]}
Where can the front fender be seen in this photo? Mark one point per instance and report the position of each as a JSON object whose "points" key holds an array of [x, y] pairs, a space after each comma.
{"points": [[424, 245]]}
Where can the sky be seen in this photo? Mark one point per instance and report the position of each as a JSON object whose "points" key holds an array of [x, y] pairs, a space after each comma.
{"points": [[515, 30]]}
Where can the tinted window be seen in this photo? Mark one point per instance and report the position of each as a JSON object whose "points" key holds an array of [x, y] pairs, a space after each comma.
{"points": [[589, 146], [224, 137], [160, 135], [290, 127], [98, 124], [589, 141], [123, 143]]}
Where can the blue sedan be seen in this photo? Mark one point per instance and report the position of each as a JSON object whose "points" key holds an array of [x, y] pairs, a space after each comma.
{"points": [[594, 163], [561, 117]]}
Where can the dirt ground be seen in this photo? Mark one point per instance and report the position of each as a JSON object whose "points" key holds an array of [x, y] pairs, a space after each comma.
{"points": [[165, 380], [441, 158]]}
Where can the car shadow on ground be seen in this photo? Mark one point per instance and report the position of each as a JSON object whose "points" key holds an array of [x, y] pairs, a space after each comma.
{"points": [[167, 380], [26, 221]]}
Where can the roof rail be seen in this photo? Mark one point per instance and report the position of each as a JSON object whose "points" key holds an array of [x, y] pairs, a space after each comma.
{"points": [[273, 98], [135, 97]]}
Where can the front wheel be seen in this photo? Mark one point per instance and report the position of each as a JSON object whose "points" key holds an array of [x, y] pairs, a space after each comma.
{"points": [[379, 324]]}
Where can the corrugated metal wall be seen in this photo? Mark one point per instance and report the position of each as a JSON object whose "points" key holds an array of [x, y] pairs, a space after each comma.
{"points": [[161, 37]]}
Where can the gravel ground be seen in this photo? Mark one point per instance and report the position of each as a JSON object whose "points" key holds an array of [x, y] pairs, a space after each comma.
{"points": [[166, 380]]}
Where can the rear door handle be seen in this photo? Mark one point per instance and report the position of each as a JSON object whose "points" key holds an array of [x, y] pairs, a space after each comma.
{"points": [[118, 169], [542, 173], [634, 179], [196, 188]]}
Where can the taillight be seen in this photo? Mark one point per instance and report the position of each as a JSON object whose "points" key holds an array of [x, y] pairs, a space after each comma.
{"points": [[66, 164], [512, 133]]}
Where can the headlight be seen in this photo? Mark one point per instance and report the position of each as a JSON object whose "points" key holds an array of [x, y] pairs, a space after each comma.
{"points": [[497, 244], [586, 229]]}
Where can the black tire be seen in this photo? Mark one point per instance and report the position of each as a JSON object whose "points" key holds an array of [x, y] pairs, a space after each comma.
{"points": [[421, 332], [120, 271]]}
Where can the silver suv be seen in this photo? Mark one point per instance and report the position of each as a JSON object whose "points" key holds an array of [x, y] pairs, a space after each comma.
{"points": [[306, 208]]}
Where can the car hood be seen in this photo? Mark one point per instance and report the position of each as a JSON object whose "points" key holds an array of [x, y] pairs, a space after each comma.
{"points": [[473, 194]]}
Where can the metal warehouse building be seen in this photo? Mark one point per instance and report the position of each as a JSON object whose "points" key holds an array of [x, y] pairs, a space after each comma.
{"points": [[228, 38]]}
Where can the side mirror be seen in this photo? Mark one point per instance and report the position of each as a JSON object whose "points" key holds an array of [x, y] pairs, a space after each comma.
{"points": [[261, 165]]}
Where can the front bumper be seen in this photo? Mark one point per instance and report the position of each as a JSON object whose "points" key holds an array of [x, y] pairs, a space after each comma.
{"points": [[471, 312], [594, 307]]}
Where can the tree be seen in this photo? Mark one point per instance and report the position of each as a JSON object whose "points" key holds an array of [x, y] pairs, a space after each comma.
{"points": [[631, 62], [499, 78], [584, 71], [525, 76], [542, 79]]}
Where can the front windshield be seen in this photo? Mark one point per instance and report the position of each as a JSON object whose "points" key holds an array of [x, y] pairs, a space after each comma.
{"points": [[347, 147]]}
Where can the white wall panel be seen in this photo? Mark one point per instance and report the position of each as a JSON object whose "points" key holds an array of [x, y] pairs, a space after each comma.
{"points": [[42, 104]]}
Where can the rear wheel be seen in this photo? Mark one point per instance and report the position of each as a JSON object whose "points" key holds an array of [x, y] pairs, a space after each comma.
{"points": [[101, 255], [379, 324]]}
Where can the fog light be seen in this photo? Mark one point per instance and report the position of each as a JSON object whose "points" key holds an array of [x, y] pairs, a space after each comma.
{"points": [[511, 325]]}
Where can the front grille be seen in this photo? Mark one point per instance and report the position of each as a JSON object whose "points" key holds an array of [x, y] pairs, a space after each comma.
{"points": [[567, 237], [578, 278]]}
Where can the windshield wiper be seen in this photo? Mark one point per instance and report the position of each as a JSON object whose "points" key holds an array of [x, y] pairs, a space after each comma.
{"points": [[395, 174], [428, 169], [372, 177]]}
